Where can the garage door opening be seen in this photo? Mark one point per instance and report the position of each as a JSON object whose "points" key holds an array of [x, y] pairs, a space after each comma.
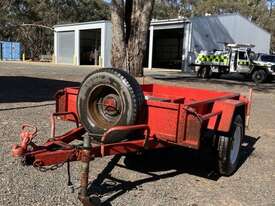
{"points": [[90, 46], [167, 48]]}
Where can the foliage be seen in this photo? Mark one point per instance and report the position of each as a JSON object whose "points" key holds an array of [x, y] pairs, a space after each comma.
{"points": [[259, 11], [164, 9], [37, 40]]}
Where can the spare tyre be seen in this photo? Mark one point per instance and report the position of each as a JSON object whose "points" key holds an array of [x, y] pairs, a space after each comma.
{"points": [[108, 97]]}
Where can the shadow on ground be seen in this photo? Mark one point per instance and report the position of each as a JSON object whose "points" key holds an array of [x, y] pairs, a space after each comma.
{"points": [[225, 80], [160, 164], [30, 89]]}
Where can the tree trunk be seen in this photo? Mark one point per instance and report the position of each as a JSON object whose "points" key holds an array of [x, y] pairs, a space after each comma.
{"points": [[140, 22], [118, 42], [129, 41]]}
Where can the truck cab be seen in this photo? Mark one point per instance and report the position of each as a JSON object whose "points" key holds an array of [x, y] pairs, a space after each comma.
{"points": [[236, 58], [240, 61]]}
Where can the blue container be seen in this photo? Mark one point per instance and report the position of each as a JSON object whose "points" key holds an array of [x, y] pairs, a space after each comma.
{"points": [[11, 51], [6, 51], [1, 51], [15, 51]]}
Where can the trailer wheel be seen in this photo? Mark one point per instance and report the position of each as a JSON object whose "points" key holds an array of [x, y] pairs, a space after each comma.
{"points": [[229, 147], [109, 97], [259, 76], [95, 200]]}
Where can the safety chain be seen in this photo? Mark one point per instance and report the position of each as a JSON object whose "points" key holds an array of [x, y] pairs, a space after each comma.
{"points": [[45, 168], [37, 165]]}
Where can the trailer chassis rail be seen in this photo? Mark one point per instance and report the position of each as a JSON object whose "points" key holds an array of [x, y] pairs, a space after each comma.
{"points": [[57, 150]]}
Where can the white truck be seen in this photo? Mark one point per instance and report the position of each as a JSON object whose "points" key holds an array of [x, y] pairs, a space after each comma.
{"points": [[236, 58]]}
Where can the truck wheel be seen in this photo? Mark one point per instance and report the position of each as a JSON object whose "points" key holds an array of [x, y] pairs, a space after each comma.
{"points": [[259, 76], [205, 72], [198, 74], [229, 147], [269, 79], [108, 97]]}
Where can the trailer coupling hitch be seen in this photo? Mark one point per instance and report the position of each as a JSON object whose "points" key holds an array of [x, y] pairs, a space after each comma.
{"points": [[28, 133]]}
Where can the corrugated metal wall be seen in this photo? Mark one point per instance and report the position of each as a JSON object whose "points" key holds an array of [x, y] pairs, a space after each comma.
{"points": [[246, 32], [66, 47], [210, 31], [208, 34]]}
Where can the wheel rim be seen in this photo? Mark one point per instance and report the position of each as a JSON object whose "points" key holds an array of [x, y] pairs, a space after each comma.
{"points": [[104, 106], [235, 144], [258, 76], [204, 73]]}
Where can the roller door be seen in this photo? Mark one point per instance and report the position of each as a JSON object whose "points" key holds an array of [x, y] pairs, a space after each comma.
{"points": [[66, 47]]}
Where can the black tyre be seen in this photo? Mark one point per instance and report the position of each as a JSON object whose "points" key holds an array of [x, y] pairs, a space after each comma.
{"points": [[229, 147], [269, 79], [95, 200], [205, 72], [198, 73], [259, 76], [109, 97]]}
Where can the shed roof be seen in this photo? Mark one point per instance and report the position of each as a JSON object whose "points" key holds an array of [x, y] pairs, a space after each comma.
{"points": [[154, 22], [81, 23], [169, 21]]}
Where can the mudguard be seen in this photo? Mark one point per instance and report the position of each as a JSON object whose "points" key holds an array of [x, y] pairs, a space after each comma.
{"points": [[228, 107]]}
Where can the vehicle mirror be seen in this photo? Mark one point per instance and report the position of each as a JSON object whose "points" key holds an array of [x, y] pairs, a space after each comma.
{"points": [[252, 55]]}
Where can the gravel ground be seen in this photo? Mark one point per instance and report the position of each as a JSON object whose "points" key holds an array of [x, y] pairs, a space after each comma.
{"points": [[168, 177]]}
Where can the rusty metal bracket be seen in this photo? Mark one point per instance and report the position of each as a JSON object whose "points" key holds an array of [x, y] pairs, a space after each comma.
{"points": [[58, 114], [144, 127]]}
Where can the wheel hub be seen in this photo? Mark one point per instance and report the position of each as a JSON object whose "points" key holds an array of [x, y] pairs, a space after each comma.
{"points": [[258, 76], [105, 106], [235, 145], [111, 105]]}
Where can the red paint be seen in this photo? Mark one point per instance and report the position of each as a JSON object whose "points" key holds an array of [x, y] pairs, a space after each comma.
{"points": [[175, 115]]}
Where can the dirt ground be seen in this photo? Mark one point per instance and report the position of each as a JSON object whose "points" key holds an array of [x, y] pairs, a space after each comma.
{"points": [[166, 177]]}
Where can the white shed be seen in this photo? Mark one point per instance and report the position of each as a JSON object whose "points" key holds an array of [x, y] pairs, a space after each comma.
{"points": [[86, 43], [89, 43]]}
